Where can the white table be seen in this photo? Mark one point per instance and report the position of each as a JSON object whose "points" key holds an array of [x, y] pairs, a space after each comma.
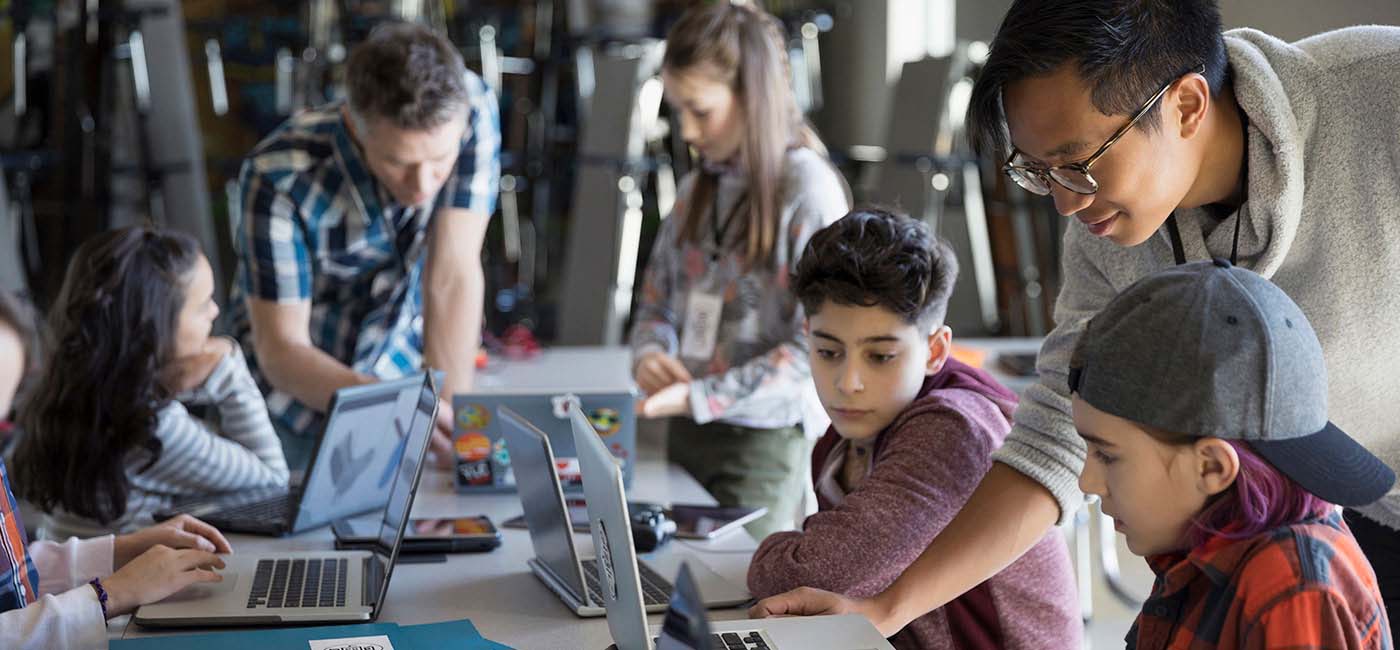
{"points": [[496, 590]]}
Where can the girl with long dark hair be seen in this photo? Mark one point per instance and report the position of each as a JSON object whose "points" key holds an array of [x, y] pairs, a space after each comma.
{"points": [[108, 437], [60, 595]]}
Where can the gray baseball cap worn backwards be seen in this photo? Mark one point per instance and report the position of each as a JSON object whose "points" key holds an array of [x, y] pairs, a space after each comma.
{"points": [[1210, 349]]}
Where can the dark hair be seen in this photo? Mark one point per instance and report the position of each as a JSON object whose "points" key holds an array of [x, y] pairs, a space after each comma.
{"points": [[110, 332], [872, 257], [407, 74], [17, 315], [1125, 50], [745, 46]]}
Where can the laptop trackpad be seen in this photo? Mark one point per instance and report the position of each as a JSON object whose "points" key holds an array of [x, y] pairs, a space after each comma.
{"points": [[206, 590], [716, 590]]}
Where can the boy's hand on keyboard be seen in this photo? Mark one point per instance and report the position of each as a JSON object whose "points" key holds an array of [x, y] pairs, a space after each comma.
{"points": [[182, 531], [156, 574]]}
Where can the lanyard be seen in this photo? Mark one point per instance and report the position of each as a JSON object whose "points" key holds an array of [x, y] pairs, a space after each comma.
{"points": [[1179, 252], [721, 233]]}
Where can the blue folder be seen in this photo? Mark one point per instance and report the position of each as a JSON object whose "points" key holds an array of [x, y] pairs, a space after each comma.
{"points": [[448, 635]]}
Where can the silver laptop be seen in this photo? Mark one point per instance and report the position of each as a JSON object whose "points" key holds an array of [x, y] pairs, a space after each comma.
{"points": [[356, 453], [557, 562], [686, 626], [276, 588]]}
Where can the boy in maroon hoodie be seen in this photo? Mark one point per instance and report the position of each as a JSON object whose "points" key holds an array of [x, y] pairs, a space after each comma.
{"points": [[912, 433]]}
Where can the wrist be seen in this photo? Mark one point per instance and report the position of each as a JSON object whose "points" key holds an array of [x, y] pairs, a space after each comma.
{"points": [[887, 614], [121, 551], [104, 598]]}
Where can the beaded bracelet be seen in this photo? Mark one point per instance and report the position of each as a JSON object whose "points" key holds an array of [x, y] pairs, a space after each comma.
{"points": [[101, 596]]}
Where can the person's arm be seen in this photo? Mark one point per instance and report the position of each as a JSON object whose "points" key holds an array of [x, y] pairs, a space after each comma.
{"points": [[454, 286], [72, 619], [195, 460], [655, 325], [453, 291], [68, 564], [1032, 485], [243, 415], [288, 358], [923, 475]]}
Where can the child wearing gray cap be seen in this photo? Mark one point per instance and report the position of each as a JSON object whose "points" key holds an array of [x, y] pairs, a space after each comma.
{"points": [[1202, 396]]}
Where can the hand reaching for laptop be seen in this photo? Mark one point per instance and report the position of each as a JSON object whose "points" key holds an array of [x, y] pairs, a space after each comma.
{"points": [[156, 574], [807, 601]]}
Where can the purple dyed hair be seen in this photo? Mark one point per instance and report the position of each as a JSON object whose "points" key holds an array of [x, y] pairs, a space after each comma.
{"points": [[1261, 499]]}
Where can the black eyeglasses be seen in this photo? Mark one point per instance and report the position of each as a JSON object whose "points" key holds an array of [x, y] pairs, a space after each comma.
{"points": [[1035, 178]]}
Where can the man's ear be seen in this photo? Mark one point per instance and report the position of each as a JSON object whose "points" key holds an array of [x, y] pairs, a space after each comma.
{"points": [[1191, 103], [940, 345], [1217, 465]]}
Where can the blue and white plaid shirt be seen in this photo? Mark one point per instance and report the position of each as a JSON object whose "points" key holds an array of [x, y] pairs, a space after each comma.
{"points": [[314, 224]]}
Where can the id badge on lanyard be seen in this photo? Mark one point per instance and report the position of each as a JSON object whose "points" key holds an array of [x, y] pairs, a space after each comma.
{"points": [[703, 309], [705, 305]]}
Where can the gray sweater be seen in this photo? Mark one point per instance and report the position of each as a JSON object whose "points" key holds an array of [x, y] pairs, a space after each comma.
{"points": [[1321, 219]]}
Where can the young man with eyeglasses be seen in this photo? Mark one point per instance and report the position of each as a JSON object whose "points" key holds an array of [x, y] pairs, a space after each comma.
{"points": [[1168, 142]]}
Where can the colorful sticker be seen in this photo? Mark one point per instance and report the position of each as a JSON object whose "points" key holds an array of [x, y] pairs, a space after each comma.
{"points": [[499, 455], [606, 421], [476, 472], [473, 417], [473, 446]]}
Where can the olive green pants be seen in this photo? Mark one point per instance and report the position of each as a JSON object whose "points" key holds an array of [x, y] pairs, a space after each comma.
{"points": [[742, 466]]}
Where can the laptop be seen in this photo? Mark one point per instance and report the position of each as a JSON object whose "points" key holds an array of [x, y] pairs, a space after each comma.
{"points": [[297, 587], [557, 563], [356, 453], [687, 628]]}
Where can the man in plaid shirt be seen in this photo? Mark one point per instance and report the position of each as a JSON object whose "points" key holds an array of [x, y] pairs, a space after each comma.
{"points": [[360, 229]]}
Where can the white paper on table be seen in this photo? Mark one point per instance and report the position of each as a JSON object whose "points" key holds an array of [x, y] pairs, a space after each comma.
{"points": [[380, 642]]}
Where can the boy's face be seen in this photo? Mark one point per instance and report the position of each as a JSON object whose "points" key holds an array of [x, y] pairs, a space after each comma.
{"points": [[1141, 178], [1152, 489], [869, 364]]}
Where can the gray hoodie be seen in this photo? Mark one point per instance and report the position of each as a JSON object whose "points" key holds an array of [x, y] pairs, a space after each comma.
{"points": [[1321, 219]]}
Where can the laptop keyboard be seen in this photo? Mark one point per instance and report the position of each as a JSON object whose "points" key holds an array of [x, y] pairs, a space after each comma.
{"points": [[735, 641], [656, 590], [274, 509], [299, 583]]}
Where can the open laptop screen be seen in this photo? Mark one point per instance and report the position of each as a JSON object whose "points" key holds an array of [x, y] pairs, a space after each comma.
{"points": [[359, 450], [412, 435], [541, 498]]}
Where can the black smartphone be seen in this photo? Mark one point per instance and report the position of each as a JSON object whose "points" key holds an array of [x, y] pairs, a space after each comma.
{"points": [[452, 535]]}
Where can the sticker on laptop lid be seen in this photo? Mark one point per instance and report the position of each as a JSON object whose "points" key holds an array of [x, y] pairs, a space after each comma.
{"points": [[561, 404], [380, 642]]}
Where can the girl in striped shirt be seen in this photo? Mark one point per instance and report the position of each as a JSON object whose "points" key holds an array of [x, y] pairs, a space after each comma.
{"points": [[111, 433]]}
